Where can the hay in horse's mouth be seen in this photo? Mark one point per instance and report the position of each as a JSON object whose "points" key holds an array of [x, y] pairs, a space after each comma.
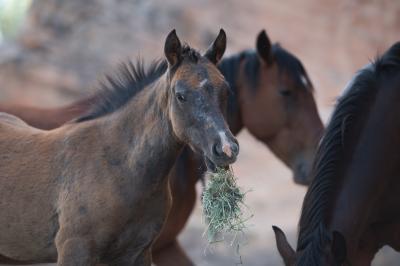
{"points": [[213, 167], [222, 204]]}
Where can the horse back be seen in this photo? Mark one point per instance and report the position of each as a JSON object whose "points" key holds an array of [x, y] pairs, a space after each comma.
{"points": [[8, 120], [48, 118]]}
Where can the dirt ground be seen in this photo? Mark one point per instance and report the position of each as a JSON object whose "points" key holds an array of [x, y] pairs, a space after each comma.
{"points": [[332, 38]]}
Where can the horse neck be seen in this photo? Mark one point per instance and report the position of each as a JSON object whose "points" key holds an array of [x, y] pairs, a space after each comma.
{"points": [[231, 67], [143, 135], [374, 164]]}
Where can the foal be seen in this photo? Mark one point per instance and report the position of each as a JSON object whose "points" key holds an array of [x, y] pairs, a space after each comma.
{"points": [[352, 208], [270, 95], [96, 190]]}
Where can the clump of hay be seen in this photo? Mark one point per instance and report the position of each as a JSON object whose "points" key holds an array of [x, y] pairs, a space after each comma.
{"points": [[222, 205]]}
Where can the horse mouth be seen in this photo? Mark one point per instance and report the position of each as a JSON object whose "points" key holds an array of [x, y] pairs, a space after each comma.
{"points": [[211, 166]]}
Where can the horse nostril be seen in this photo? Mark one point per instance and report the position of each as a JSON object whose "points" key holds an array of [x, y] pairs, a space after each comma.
{"points": [[216, 150], [235, 148]]}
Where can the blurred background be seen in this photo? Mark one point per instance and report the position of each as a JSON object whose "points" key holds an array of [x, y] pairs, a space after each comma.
{"points": [[52, 52]]}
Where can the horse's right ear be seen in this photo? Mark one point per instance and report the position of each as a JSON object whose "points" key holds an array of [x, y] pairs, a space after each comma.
{"points": [[173, 48], [264, 47], [287, 253]]}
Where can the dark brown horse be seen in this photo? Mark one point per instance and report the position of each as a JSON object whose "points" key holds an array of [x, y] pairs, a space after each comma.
{"points": [[96, 190], [271, 95], [352, 207]]}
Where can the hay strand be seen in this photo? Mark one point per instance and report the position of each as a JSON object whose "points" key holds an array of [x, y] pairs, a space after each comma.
{"points": [[222, 205]]}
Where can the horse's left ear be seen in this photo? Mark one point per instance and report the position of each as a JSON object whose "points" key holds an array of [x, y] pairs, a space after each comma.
{"points": [[216, 50], [338, 247], [264, 47]]}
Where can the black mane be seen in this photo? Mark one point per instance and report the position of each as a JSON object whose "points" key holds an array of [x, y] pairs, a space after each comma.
{"points": [[130, 78], [350, 114]]}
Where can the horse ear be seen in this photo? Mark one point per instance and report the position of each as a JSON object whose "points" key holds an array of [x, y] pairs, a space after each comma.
{"points": [[287, 253], [338, 247], [216, 50], [173, 48], [264, 47]]}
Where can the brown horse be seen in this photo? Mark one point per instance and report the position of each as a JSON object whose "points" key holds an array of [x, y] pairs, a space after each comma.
{"points": [[96, 190], [271, 95], [352, 207]]}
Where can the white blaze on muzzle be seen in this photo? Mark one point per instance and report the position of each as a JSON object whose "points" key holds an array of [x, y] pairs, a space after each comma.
{"points": [[226, 146]]}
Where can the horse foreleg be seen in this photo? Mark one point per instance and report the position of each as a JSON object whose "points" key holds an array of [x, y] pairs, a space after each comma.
{"points": [[171, 255], [75, 252]]}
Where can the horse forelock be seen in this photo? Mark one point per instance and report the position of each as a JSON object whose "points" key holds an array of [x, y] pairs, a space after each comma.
{"points": [[289, 64]]}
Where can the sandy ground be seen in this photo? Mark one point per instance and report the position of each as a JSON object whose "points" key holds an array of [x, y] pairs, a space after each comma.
{"points": [[333, 39]]}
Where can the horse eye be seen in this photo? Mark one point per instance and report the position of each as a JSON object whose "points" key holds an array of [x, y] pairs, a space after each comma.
{"points": [[180, 97], [285, 92]]}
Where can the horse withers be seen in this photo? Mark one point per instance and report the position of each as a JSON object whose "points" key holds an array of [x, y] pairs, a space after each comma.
{"points": [[96, 189], [351, 208]]}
